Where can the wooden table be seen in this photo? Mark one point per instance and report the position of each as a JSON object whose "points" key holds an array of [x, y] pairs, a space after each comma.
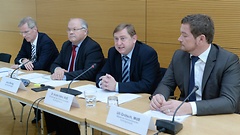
{"points": [[96, 117]]}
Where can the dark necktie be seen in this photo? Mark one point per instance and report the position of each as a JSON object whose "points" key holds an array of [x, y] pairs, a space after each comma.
{"points": [[192, 79], [73, 58], [125, 70], [33, 53]]}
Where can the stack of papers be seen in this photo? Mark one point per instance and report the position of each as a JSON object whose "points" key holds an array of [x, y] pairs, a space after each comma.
{"points": [[43, 79], [102, 95]]}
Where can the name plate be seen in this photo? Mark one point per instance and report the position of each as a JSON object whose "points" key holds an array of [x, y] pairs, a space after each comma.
{"points": [[129, 120], [11, 85], [60, 100]]}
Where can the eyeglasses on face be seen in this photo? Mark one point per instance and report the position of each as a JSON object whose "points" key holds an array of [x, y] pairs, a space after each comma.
{"points": [[74, 29], [26, 32]]}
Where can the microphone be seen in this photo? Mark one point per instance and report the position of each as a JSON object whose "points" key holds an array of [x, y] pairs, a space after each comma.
{"points": [[25, 82], [173, 127], [72, 91], [19, 66]]}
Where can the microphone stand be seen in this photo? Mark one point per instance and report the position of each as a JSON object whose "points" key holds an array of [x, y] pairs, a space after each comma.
{"points": [[72, 91], [173, 127]]}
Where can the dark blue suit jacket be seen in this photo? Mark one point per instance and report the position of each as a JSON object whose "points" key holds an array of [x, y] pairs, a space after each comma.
{"points": [[46, 52], [144, 69], [90, 52]]}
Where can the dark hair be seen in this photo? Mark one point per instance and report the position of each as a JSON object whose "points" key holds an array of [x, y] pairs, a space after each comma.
{"points": [[200, 24], [130, 29]]}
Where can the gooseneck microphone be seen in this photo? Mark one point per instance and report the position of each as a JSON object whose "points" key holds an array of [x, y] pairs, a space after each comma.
{"points": [[173, 127], [72, 91], [19, 66], [25, 82]]}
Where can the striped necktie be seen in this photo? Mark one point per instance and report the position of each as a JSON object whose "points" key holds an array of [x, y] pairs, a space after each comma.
{"points": [[125, 69], [33, 53]]}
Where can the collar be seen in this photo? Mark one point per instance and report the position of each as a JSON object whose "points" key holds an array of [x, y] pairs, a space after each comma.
{"points": [[204, 55]]}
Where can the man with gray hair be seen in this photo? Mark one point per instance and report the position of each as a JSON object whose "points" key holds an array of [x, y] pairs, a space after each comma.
{"points": [[38, 51], [77, 55]]}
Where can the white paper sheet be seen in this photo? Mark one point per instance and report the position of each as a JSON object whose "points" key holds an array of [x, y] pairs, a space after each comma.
{"points": [[102, 95], [4, 71], [160, 115], [43, 79]]}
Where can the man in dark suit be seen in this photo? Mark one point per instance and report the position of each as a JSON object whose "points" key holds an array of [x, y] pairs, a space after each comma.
{"points": [[88, 52], [216, 73], [77, 54], [38, 51], [142, 66], [45, 49]]}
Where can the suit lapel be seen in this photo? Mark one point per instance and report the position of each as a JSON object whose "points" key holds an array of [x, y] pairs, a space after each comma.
{"points": [[118, 66], [134, 59], [209, 65]]}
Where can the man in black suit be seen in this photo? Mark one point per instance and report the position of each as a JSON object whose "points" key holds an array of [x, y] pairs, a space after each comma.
{"points": [[77, 54], [140, 73], [37, 48], [88, 52], [45, 49], [216, 73]]}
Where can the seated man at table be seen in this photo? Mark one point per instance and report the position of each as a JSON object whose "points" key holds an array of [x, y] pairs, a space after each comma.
{"points": [[215, 71], [38, 50], [132, 66], [77, 55]]}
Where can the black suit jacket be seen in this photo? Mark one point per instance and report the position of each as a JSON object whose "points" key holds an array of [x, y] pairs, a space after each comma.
{"points": [[220, 83], [46, 52], [90, 52], [144, 69]]}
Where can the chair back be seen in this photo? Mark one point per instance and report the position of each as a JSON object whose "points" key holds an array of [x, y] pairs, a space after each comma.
{"points": [[5, 57]]}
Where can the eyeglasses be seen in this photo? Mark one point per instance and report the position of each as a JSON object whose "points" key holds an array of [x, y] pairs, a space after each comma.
{"points": [[74, 29], [25, 32]]}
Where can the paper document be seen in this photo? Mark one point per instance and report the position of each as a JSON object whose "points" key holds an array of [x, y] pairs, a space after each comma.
{"points": [[102, 95], [43, 79], [4, 71], [160, 115]]}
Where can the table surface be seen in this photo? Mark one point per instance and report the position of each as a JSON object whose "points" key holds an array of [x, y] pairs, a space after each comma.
{"points": [[96, 117]]}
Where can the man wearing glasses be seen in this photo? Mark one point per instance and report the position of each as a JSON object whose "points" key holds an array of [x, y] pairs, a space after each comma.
{"points": [[77, 55], [38, 51]]}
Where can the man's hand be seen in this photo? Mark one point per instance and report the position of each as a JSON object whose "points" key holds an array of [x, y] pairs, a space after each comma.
{"points": [[170, 106], [14, 66], [108, 82], [157, 102], [58, 74]]}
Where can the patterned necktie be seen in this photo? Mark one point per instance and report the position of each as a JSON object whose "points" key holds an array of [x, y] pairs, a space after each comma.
{"points": [[192, 79], [33, 53], [125, 69], [73, 58]]}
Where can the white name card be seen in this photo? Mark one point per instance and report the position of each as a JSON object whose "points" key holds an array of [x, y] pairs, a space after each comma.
{"points": [[60, 100], [129, 120], [11, 85]]}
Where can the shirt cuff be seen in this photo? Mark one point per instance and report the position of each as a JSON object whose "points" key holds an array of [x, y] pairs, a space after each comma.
{"points": [[194, 108], [100, 84], [20, 61], [116, 88]]}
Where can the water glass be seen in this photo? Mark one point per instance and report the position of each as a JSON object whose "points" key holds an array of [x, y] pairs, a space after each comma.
{"points": [[112, 100], [90, 98]]}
